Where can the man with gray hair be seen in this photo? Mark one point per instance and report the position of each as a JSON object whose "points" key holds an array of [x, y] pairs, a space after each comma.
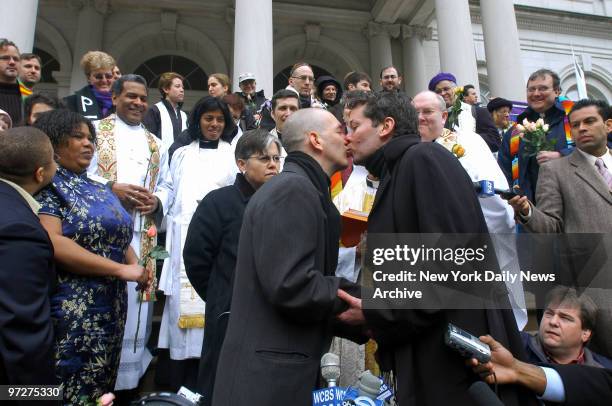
{"points": [[285, 292]]}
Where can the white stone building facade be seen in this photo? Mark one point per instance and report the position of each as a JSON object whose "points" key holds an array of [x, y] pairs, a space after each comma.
{"points": [[494, 44]]}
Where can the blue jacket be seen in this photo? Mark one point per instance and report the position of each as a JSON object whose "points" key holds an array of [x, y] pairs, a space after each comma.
{"points": [[528, 166]]}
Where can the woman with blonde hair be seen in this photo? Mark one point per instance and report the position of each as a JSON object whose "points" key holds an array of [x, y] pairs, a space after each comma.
{"points": [[218, 84], [94, 101]]}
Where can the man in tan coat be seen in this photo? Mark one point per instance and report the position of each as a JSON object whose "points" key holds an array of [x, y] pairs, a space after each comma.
{"points": [[574, 196]]}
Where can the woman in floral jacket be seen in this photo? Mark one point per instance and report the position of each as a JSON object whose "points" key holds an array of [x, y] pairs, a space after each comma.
{"points": [[91, 234]]}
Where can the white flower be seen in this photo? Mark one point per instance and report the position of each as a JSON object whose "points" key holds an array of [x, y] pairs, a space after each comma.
{"points": [[539, 123], [532, 127], [520, 128], [525, 122], [545, 127]]}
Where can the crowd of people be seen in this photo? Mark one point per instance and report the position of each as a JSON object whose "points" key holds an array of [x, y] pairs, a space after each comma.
{"points": [[240, 202]]}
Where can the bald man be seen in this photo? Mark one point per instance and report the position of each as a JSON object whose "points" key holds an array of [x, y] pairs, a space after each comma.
{"points": [[26, 254], [285, 291]]}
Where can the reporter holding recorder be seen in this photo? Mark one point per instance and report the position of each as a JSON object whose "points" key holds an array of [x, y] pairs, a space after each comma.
{"points": [[570, 385]]}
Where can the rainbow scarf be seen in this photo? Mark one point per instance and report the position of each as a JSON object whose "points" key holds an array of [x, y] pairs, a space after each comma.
{"points": [[24, 90], [515, 137]]}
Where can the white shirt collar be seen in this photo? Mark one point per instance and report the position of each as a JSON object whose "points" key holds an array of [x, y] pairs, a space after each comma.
{"points": [[34, 205], [606, 157]]}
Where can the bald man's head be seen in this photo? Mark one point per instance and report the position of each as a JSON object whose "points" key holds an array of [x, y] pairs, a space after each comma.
{"points": [[317, 133], [431, 110], [299, 124], [26, 158]]}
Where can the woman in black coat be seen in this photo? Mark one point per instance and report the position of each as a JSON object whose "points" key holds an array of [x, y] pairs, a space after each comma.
{"points": [[212, 243], [94, 101]]}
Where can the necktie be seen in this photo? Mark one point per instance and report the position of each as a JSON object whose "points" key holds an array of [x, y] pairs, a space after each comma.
{"points": [[601, 168]]}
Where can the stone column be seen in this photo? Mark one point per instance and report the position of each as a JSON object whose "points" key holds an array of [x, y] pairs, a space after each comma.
{"points": [[63, 83], [415, 76], [90, 28], [18, 22], [253, 43], [503, 49], [380, 48], [456, 42]]}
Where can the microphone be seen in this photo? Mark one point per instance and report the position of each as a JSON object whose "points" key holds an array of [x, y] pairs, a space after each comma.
{"points": [[330, 368], [485, 188], [483, 395], [368, 385]]}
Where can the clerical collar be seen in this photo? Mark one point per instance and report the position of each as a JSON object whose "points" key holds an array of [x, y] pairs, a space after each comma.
{"points": [[209, 144]]}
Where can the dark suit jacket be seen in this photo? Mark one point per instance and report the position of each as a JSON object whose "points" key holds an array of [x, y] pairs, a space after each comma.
{"points": [[26, 278], [283, 303], [585, 386], [427, 191]]}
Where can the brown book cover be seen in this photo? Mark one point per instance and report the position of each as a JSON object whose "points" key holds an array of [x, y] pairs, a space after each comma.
{"points": [[354, 224]]}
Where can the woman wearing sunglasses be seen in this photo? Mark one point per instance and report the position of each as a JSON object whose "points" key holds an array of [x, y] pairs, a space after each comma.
{"points": [[94, 101]]}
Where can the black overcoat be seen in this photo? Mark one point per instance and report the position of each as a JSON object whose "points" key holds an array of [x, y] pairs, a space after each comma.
{"points": [[210, 259], [283, 303], [428, 191]]}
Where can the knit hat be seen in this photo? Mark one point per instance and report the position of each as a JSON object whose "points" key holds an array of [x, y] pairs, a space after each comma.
{"points": [[439, 78]]}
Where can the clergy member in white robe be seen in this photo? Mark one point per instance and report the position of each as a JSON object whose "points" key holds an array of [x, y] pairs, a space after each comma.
{"points": [[477, 160], [206, 164], [134, 164], [165, 119]]}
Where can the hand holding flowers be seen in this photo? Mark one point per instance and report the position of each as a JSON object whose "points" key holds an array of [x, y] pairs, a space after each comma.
{"points": [[533, 136]]}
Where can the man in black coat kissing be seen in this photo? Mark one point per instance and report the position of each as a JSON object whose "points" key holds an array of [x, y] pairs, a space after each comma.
{"points": [[423, 189]]}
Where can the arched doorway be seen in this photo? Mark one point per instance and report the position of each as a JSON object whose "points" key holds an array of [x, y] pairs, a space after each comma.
{"points": [[281, 80], [195, 82]]}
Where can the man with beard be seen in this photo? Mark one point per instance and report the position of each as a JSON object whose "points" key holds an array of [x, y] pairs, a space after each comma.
{"points": [[10, 95]]}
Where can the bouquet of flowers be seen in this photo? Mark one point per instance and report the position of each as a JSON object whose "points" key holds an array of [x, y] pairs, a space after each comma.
{"points": [[534, 136], [453, 115]]}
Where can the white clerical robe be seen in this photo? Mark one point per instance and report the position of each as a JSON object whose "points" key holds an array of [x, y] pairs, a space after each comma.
{"points": [[480, 164], [195, 172], [133, 153]]}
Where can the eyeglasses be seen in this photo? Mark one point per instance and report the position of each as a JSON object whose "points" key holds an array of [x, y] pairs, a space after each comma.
{"points": [[443, 90], [305, 78], [387, 77], [541, 89], [100, 76], [265, 159]]}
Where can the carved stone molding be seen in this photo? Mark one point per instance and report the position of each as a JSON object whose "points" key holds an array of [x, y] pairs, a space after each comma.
{"points": [[378, 29], [101, 6], [168, 21], [554, 21], [313, 32], [419, 31]]}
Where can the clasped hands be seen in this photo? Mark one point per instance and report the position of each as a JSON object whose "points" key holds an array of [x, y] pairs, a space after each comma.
{"points": [[136, 198]]}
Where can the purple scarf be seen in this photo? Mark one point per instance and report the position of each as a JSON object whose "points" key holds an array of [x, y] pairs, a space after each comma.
{"points": [[105, 100]]}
